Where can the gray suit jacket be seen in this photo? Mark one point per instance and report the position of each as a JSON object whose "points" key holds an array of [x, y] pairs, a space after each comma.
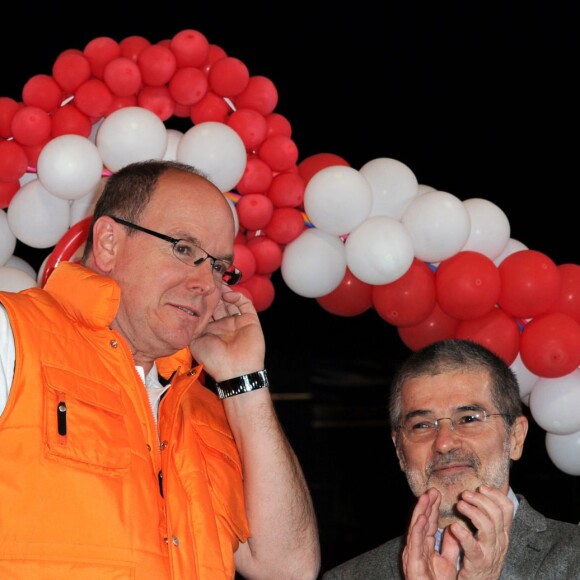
{"points": [[540, 548]]}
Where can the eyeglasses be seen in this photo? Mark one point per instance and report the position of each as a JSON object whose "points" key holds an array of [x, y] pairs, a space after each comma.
{"points": [[191, 254], [465, 423]]}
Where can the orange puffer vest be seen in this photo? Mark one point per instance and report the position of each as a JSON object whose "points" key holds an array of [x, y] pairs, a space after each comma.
{"points": [[82, 465]]}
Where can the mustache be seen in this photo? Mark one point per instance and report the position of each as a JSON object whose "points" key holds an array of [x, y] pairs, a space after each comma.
{"points": [[453, 457]]}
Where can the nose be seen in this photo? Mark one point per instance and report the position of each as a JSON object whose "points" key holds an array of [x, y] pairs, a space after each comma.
{"points": [[446, 437], [202, 278]]}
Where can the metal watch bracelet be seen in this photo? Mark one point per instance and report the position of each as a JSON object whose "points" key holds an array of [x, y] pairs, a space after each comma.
{"points": [[242, 384]]}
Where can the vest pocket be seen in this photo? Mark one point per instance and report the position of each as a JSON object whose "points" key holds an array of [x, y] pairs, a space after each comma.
{"points": [[84, 423], [224, 473]]}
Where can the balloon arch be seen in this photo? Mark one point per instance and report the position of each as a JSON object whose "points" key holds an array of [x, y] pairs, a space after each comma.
{"points": [[428, 263]]}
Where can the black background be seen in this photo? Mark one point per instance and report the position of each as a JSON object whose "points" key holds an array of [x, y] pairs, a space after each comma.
{"points": [[479, 99]]}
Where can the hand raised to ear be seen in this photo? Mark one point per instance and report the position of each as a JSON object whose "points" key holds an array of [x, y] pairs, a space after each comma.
{"points": [[233, 343]]}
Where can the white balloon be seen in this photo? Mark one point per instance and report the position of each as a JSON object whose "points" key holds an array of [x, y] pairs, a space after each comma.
{"points": [[393, 184], [526, 378], [511, 247], [15, 280], [7, 239], [95, 129], [314, 263], [235, 214], [131, 134], [215, 149], [490, 228], [85, 206], [564, 451], [18, 262], [439, 225], [555, 403], [28, 176], [173, 138], [424, 188], [36, 217], [69, 166], [337, 199], [379, 251]]}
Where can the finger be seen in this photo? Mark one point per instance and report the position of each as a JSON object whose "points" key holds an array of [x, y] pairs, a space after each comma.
{"points": [[237, 302], [490, 510], [421, 508], [502, 501], [415, 548], [433, 515], [450, 545]]}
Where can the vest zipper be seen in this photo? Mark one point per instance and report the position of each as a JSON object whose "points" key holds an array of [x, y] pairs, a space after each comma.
{"points": [[61, 418]]}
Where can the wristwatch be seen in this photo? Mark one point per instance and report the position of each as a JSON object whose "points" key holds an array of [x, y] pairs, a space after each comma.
{"points": [[242, 384]]}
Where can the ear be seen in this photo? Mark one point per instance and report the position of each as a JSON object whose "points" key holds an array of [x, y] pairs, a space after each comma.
{"points": [[106, 238], [517, 437]]}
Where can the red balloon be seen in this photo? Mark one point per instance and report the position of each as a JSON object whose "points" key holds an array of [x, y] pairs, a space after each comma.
{"points": [[214, 53], [550, 345], [122, 102], [228, 77], [287, 224], [71, 69], [530, 284], [158, 100], [267, 252], [190, 48], [260, 95], [211, 108], [8, 108], [467, 285], [279, 152], [244, 261], [261, 291], [181, 111], [13, 161], [569, 299], [122, 76], [157, 65], [257, 177], [437, 326], [350, 298], [66, 247], [310, 166], [409, 299], [287, 190], [250, 126], [254, 211], [496, 330], [8, 190], [131, 46], [278, 125], [99, 52], [93, 98], [68, 120], [31, 126], [33, 151], [42, 91], [188, 85]]}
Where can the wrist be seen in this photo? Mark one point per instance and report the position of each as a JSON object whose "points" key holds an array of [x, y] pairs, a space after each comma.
{"points": [[242, 384]]}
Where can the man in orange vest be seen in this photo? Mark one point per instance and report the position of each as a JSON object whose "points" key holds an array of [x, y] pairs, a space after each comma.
{"points": [[118, 459]]}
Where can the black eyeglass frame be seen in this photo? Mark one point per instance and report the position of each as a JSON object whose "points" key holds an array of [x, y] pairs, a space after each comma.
{"points": [[231, 277]]}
